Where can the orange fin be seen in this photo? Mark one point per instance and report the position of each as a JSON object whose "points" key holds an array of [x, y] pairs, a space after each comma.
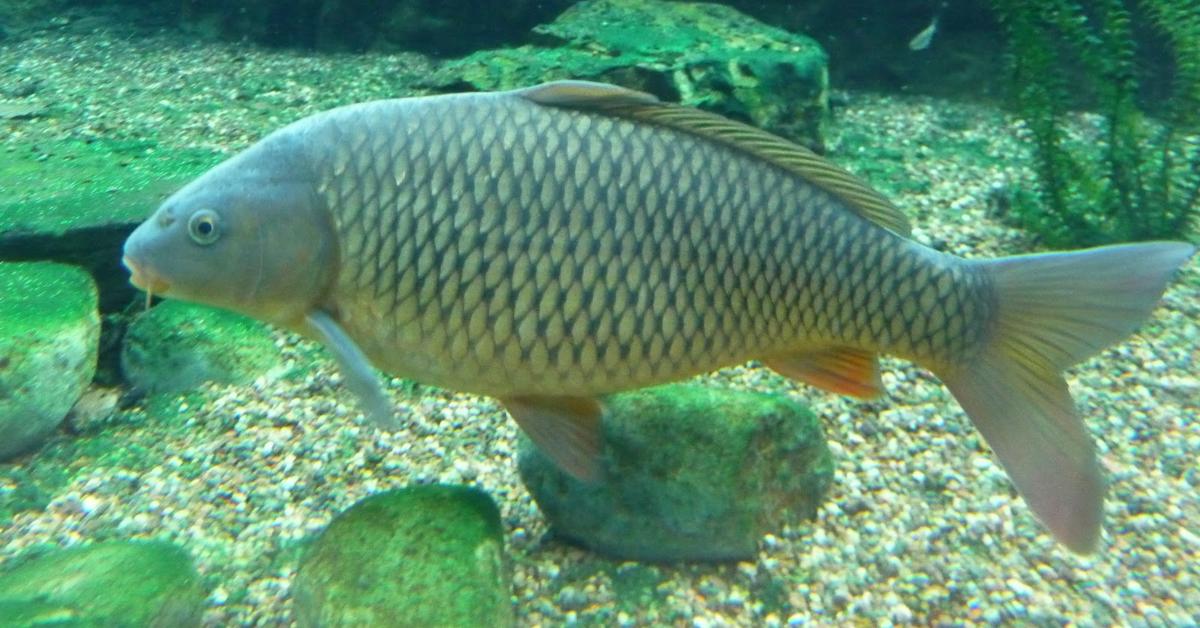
{"points": [[566, 429], [841, 370]]}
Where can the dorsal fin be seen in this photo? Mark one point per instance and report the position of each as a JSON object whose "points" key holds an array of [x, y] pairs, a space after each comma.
{"points": [[627, 103]]}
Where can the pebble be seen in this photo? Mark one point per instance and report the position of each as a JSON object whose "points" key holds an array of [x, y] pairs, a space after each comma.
{"points": [[901, 614], [571, 599]]}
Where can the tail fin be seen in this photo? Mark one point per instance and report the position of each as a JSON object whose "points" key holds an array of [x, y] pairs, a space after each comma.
{"points": [[1052, 311]]}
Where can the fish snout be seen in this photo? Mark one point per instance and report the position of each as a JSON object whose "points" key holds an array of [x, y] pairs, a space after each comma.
{"points": [[144, 278]]}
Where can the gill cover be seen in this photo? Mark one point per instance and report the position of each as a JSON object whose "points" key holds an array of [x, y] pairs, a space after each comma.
{"points": [[248, 236]]}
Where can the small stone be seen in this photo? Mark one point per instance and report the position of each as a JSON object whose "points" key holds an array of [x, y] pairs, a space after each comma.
{"points": [[95, 407], [571, 599], [466, 469], [901, 614]]}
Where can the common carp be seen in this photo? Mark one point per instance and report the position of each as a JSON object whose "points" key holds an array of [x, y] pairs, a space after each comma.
{"points": [[549, 245]]}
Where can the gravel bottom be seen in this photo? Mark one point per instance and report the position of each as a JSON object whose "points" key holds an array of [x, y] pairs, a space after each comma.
{"points": [[922, 525]]}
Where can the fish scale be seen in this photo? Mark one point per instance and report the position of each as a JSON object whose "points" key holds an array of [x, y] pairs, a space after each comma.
{"points": [[634, 221]]}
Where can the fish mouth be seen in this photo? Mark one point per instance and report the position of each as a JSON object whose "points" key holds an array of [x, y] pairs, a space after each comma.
{"points": [[144, 278]]}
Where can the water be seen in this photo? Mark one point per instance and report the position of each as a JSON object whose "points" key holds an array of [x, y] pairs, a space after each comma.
{"points": [[235, 444]]}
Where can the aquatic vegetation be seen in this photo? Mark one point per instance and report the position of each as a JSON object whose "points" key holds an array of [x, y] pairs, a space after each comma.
{"points": [[1138, 176]]}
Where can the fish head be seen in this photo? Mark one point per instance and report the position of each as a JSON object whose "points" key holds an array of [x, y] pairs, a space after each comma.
{"points": [[242, 238]]}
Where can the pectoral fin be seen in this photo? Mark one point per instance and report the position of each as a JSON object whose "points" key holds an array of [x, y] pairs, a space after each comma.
{"points": [[842, 370], [566, 429], [356, 370]]}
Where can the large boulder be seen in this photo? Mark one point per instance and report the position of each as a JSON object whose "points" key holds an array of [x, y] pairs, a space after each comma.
{"points": [[177, 346], [119, 583], [76, 202], [690, 473], [420, 556], [49, 338], [703, 55]]}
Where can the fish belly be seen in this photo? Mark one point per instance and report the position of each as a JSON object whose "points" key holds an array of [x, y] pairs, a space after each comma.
{"points": [[493, 245]]}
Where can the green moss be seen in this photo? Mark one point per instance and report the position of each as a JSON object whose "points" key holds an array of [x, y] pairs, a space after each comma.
{"points": [[56, 186], [429, 554], [636, 586], [31, 484], [691, 473], [177, 346], [727, 425], [49, 339], [41, 296], [704, 55], [121, 583]]}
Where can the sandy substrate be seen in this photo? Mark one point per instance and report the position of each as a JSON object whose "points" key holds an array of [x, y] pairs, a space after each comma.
{"points": [[921, 525]]}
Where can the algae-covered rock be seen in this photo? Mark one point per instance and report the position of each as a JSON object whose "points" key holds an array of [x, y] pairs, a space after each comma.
{"points": [[420, 556], [177, 346], [49, 338], [690, 473], [121, 583], [703, 55], [76, 202]]}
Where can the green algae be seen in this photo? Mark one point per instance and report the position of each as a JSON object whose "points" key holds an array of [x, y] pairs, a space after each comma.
{"points": [[704, 55], [691, 473], [49, 340], [31, 484], [41, 296], [120, 583], [430, 554], [55, 186], [177, 346]]}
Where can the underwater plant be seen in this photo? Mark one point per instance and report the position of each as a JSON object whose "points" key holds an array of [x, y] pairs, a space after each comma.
{"points": [[1138, 178]]}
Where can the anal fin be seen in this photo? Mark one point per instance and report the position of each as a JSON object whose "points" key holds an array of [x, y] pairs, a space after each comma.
{"points": [[566, 429], [842, 370]]}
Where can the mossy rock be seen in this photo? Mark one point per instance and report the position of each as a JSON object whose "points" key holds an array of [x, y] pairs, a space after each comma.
{"points": [[49, 339], [76, 202], [703, 55], [690, 473], [177, 346], [120, 584], [421, 556]]}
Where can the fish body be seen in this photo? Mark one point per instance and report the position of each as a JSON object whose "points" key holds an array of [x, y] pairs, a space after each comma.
{"points": [[550, 245], [491, 244]]}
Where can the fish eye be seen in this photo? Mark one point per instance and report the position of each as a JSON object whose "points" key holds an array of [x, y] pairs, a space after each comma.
{"points": [[203, 227]]}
